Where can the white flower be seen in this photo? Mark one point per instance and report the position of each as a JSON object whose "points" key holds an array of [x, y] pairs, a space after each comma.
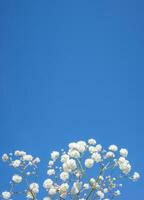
{"points": [[64, 158], [86, 186], [73, 145], [121, 160], [64, 176], [19, 153], [81, 146], [101, 178], [27, 157], [136, 176], [16, 163], [52, 191], [74, 153], [110, 154], [100, 194], [6, 195], [51, 163], [16, 178], [54, 155], [92, 141], [47, 183], [89, 163], [51, 172], [105, 190], [113, 148], [124, 152], [92, 181], [5, 157], [34, 187], [98, 147], [92, 149], [29, 195], [36, 160], [117, 193], [124, 165], [76, 188], [63, 189], [96, 157], [69, 165]]}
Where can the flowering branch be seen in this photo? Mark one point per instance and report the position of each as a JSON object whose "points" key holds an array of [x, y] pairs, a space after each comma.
{"points": [[26, 167], [86, 171], [77, 181]]}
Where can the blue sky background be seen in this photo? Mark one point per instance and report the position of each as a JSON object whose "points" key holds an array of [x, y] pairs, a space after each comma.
{"points": [[72, 70]]}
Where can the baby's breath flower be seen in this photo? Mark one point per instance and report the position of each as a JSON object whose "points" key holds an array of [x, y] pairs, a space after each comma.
{"points": [[136, 176], [5, 157], [34, 187], [124, 152], [100, 194], [47, 183], [110, 154], [54, 155], [6, 195], [89, 163], [17, 179], [113, 148], [51, 172], [96, 157], [16, 163], [92, 141], [64, 176], [52, 191], [27, 157]]}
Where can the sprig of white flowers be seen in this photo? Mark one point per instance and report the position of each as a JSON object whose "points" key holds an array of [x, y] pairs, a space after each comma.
{"points": [[85, 171], [26, 167], [70, 173]]}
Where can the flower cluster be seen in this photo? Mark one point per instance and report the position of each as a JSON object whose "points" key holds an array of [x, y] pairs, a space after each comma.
{"points": [[87, 171], [26, 170]]}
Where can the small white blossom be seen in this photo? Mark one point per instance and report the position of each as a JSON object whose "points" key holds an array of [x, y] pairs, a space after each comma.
{"points": [[117, 193], [100, 194], [136, 176], [64, 176], [19, 153], [89, 163], [34, 187], [5, 157], [16, 163], [110, 154], [47, 183], [52, 191], [27, 157], [96, 157], [51, 172], [98, 147], [113, 148], [92, 141], [124, 152], [17, 179], [54, 155], [6, 195]]}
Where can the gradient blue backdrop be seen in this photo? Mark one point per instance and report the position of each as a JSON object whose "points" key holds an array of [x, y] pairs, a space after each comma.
{"points": [[72, 70]]}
